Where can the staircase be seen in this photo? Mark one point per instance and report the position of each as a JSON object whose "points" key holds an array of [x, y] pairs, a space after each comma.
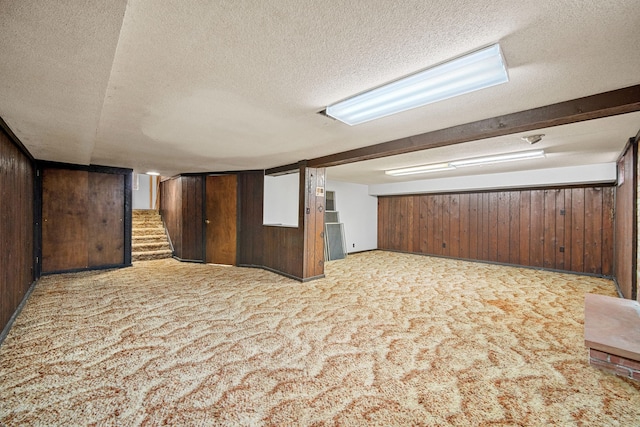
{"points": [[148, 237]]}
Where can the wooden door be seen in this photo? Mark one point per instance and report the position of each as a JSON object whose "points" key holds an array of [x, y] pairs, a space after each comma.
{"points": [[106, 219], [65, 219], [221, 219]]}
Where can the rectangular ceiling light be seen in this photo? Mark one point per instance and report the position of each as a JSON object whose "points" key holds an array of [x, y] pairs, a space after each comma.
{"points": [[475, 71], [420, 169], [477, 161], [487, 160]]}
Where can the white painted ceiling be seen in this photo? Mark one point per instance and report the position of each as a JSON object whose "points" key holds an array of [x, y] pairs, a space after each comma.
{"points": [[193, 86]]}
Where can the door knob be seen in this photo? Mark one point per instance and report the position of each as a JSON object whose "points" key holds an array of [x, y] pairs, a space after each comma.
{"points": [[207, 221]]}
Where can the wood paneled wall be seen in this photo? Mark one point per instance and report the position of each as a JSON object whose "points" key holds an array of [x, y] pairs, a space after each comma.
{"points": [[313, 186], [296, 252], [250, 210], [86, 217], [556, 228], [625, 224], [17, 258], [283, 250], [182, 207]]}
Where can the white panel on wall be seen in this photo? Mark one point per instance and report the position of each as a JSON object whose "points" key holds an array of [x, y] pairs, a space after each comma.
{"points": [[358, 212], [281, 196], [141, 198], [590, 174]]}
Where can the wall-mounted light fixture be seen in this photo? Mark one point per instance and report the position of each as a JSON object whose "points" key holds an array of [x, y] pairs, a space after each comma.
{"points": [[474, 71], [476, 161]]}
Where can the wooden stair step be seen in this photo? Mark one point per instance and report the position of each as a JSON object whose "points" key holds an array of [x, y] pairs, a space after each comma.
{"points": [[150, 255], [149, 246], [148, 238]]}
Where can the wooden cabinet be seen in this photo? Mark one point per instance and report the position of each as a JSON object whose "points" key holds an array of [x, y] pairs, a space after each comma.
{"points": [[86, 220]]}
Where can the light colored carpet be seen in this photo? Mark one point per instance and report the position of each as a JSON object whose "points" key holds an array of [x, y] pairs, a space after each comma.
{"points": [[385, 339]]}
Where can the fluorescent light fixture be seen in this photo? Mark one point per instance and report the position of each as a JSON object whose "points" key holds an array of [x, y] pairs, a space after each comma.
{"points": [[437, 167], [477, 70], [477, 161], [521, 155], [153, 173]]}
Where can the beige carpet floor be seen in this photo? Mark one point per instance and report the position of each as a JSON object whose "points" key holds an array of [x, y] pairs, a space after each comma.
{"points": [[385, 339]]}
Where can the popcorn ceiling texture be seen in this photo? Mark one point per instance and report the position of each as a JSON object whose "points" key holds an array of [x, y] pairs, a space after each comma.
{"points": [[189, 85], [385, 339]]}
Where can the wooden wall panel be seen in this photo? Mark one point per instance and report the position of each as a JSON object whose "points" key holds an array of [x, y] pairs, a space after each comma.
{"points": [[474, 224], [86, 217], [171, 211], [525, 229], [423, 228], [625, 228], [593, 231], [568, 228], [608, 198], [514, 227], [454, 225], [484, 246], [383, 221], [464, 213], [555, 228], [577, 231], [549, 230], [559, 236], [536, 231], [493, 227], [182, 209], [504, 227], [297, 252], [65, 219], [284, 250], [193, 237], [106, 219], [250, 233], [17, 259], [313, 220]]}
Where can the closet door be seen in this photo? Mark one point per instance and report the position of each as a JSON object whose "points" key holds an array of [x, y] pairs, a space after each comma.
{"points": [[65, 219], [221, 219]]}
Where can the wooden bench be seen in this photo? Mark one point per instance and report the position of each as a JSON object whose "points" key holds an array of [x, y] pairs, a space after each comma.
{"points": [[612, 334]]}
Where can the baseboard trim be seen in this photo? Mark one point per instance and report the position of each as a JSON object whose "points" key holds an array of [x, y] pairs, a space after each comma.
{"points": [[196, 261], [17, 312], [78, 270], [505, 264], [281, 273]]}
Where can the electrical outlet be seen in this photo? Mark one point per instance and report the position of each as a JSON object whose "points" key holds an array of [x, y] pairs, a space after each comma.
{"points": [[354, 245]]}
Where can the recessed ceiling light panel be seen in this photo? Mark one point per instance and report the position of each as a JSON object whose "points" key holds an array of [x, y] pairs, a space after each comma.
{"points": [[477, 70]]}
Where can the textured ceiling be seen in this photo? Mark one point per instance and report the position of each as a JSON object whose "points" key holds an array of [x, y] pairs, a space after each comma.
{"points": [[189, 86]]}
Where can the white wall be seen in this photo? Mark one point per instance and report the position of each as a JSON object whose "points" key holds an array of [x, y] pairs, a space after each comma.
{"points": [[591, 174], [358, 212], [141, 197], [281, 200]]}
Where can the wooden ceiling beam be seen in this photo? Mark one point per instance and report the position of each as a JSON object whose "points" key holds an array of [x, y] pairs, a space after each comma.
{"points": [[605, 104]]}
